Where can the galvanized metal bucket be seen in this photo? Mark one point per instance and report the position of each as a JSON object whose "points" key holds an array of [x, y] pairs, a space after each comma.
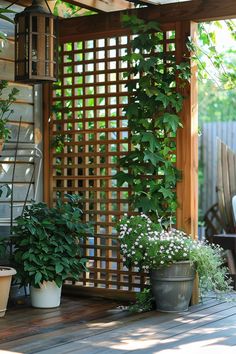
{"points": [[172, 286]]}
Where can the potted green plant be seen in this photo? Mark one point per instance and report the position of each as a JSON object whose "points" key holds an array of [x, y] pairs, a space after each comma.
{"points": [[6, 111], [172, 258], [47, 248]]}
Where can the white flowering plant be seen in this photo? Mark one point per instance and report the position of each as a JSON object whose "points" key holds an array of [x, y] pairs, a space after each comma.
{"points": [[147, 245]]}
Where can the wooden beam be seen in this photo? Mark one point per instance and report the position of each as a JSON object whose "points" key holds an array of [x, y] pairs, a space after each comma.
{"points": [[195, 10], [22, 3], [75, 290], [187, 140], [187, 145], [198, 10]]}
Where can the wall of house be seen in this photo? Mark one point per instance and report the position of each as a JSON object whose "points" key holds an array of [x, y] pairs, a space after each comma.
{"points": [[21, 156]]}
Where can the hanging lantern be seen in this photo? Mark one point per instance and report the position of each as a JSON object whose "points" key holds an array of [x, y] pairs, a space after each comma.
{"points": [[36, 47]]}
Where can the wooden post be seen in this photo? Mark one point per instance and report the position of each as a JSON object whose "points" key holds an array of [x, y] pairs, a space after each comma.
{"points": [[187, 142], [187, 146]]}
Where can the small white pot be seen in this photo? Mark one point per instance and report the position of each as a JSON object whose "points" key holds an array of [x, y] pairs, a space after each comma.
{"points": [[47, 296]]}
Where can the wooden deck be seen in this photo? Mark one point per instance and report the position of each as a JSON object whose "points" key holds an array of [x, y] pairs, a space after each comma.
{"points": [[100, 326]]}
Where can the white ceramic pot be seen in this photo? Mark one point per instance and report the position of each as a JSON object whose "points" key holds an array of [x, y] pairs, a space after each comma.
{"points": [[47, 296], [6, 274]]}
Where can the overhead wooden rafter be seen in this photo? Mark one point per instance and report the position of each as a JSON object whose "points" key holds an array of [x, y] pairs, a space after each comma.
{"points": [[195, 10], [165, 10]]}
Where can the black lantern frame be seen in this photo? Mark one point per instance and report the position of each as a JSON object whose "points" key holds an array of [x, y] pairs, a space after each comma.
{"points": [[36, 44]]}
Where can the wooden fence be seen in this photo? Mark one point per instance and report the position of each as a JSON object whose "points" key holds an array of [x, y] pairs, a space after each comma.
{"points": [[226, 132]]}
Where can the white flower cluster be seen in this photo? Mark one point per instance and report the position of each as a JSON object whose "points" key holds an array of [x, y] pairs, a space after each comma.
{"points": [[146, 245]]}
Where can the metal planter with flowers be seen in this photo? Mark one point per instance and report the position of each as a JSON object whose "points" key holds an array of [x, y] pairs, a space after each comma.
{"points": [[172, 286], [172, 258]]}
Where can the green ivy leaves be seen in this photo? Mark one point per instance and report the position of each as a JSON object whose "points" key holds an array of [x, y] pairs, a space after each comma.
{"points": [[149, 169]]}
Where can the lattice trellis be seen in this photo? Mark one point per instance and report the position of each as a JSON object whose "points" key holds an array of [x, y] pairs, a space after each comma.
{"points": [[90, 99]]}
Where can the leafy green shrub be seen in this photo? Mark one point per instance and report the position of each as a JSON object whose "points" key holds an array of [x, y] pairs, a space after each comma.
{"points": [[47, 242]]}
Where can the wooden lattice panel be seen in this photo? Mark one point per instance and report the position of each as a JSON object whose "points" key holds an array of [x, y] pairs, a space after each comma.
{"points": [[90, 99]]}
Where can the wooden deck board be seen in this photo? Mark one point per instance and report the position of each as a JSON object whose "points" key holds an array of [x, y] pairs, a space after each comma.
{"points": [[77, 330], [97, 326], [139, 333]]}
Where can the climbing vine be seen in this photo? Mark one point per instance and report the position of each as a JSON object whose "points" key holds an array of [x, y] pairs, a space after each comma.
{"points": [[154, 104]]}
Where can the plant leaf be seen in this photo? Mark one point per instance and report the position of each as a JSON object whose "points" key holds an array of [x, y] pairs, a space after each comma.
{"points": [[38, 277], [59, 268]]}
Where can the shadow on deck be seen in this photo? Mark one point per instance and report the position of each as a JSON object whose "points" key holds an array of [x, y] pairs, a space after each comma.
{"points": [[94, 325]]}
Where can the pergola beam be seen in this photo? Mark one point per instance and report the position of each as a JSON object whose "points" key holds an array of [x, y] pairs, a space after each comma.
{"points": [[195, 10]]}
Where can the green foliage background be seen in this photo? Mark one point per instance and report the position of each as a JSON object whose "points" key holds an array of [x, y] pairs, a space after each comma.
{"points": [[217, 71]]}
